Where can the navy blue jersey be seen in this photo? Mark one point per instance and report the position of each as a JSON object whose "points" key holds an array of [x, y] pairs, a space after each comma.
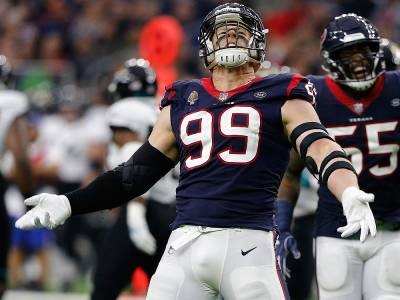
{"points": [[368, 130], [233, 151]]}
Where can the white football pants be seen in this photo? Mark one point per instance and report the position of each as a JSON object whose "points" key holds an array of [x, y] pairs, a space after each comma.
{"points": [[201, 262], [351, 270]]}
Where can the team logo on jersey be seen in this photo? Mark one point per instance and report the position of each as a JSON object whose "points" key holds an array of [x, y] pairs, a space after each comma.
{"points": [[395, 102], [193, 97], [358, 108], [260, 94], [223, 96]]}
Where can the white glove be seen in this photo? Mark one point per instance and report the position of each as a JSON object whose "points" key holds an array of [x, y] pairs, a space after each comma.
{"points": [[139, 232], [49, 211], [358, 213]]}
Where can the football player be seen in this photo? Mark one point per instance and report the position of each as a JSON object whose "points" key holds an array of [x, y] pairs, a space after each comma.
{"points": [[231, 133], [13, 137], [141, 231], [359, 104], [390, 55]]}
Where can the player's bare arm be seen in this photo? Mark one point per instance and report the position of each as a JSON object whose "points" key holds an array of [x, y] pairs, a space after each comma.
{"points": [[17, 143], [290, 185], [162, 136]]}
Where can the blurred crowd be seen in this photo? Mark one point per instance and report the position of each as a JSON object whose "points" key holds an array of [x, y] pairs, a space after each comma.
{"points": [[64, 54], [55, 42]]}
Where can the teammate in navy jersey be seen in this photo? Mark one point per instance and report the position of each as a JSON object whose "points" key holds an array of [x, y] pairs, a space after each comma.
{"points": [[231, 134], [359, 105]]}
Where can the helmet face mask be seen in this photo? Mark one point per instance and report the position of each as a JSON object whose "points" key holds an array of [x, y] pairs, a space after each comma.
{"points": [[356, 62], [350, 51], [224, 32], [230, 36]]}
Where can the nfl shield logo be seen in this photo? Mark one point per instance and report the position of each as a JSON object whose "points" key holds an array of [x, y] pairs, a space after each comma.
{"points": [[395, 102], [223, 96], [358, 108]]}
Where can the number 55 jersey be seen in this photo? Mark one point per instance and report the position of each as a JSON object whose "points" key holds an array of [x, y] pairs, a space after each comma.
{"points": [[232, 147], [368, 130]]}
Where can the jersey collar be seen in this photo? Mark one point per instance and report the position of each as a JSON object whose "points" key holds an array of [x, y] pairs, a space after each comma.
{"points": [[357, 106], [208, 85]]}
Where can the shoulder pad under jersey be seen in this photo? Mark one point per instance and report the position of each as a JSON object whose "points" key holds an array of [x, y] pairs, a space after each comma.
{"points": [[174, 91], [300, 87]]}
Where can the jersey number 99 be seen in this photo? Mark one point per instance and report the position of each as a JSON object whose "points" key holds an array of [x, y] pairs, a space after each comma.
{"points": [[249, 132]]}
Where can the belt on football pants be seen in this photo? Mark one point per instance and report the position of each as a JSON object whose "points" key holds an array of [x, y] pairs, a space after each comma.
{"points": [[193, 233]]}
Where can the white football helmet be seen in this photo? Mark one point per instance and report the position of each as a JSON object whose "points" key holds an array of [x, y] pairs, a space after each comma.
{"points": [[132, 114]]}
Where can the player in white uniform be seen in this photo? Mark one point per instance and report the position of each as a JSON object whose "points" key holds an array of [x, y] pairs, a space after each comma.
{"points": [[13, 137], [140, 233]]}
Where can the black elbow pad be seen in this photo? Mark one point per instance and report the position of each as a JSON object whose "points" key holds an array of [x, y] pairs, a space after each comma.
{"points": [[144, 169]]}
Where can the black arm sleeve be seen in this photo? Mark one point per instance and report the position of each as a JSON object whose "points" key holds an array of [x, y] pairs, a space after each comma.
{"points": [[127, 181]]}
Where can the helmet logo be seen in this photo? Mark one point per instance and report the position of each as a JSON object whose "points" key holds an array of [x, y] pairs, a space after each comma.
{"points": [[227, 9], [193, 97], [352, 37]]}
